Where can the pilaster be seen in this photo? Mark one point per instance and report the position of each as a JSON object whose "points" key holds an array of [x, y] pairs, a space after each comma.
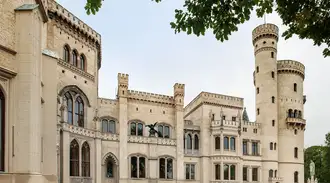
{"points": [[66, 157], [98, 160]]}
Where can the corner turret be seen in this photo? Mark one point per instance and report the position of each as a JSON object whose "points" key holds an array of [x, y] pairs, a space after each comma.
{"points": [[179, 94]]}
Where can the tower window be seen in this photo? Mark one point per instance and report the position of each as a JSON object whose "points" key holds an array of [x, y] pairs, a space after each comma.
{"points": [[273, 74], [233, 118], [257, 90], [273, 122], [295, 87], [273, 99], [258, 111], [264, 42], [257, 69], [212, 116], [296, 152], [295, 131], [272, 54]]}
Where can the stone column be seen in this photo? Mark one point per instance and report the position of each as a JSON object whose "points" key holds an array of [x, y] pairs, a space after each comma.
{"points": [[249, 174], [221, 143], [66, 157], [221, 172], [239, 175]]}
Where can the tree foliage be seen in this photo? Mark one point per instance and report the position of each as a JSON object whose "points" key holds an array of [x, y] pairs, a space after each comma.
{"points": [[309, 19]]}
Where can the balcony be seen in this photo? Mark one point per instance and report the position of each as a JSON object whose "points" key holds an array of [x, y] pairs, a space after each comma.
{"points": [[81, 180], [296, 121]]}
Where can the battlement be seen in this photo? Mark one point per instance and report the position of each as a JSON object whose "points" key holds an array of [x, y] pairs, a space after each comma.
{"points": [[150, 97], [73, 20], [105, 101], [179, 86], [265, 30], [179, 89], [123, 78], [291, 66], [251, 124]]}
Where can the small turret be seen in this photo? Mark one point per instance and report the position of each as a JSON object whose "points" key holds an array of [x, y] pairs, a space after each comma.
{"points": [[122, 85], [179, 94]]}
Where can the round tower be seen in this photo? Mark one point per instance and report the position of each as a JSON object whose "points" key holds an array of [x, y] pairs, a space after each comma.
{"points": [[265, 38], [291, 76]]}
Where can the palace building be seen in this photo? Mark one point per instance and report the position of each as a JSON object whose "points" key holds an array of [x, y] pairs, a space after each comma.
{"points": [[55, 129]]}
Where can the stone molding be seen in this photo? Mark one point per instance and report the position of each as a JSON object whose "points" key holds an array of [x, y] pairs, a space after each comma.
{"points": [[8, 50], [264, 49], [7, 73], [151, 140], [75, 70]]}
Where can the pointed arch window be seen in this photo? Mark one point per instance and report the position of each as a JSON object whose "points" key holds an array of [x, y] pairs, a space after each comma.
{"points": [[232, 143], [69, 107], [163, 131], [108, 126], [82, 62], [74, 58], [74, 158], [270, 173], [189, 141], [66, 53], [109, 171], [79, 112], [2, 131], [296, 175], [226, 143], [217, 143], [166, 168], [85, 151], [196, 142]]}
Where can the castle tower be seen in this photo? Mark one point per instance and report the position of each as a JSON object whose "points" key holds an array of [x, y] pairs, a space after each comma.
{"points": [[291, 122], [179, 102], [265, 39], [123, 118]]}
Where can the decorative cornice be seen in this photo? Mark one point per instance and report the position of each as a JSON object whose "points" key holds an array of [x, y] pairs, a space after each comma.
{"points": [[75, 69], [213, 104], [264, 49], [8, 50], [7, 73]]}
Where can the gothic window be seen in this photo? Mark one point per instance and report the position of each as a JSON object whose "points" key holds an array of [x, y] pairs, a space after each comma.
{"points": [[66, 53], [196, 142], [290, 113], [254, 174], [74, 158], [217, 143], [232, 143], [108, 126], [232, 172], [255, 148], [85, 152], [245, 174], [189, 141], [109, 171], [74, 58], [295, 87], [217, 172], [224, 117], [296, 152], [138, 167], [272, 54], [164, 131], [271, 146], [82, 62], [166, 168], [212, 117], [270, 173], [255, 130], [190, 172], [296, 177], [273, 99], [136, 128], [69, 107], [226, 172], [245, 148], [79, 112], [275, 173], [2, 131], [295, 131], [226, 143]]}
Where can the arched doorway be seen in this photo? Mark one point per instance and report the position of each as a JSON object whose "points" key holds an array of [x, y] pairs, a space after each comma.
{"points": [[110, 172]]}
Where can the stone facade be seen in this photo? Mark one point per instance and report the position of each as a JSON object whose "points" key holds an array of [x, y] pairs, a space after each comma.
{"points": [[55, 128]]}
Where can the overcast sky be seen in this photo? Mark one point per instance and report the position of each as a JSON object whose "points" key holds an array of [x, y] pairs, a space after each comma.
{"points": [[137, 40]]}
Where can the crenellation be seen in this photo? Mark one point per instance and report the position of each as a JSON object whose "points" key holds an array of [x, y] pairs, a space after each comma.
{"points": [[106, 101], [265, 30], [291, 66], [151, 97]]}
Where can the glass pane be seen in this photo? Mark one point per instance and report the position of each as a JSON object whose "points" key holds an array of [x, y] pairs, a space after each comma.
{"points": [[169, 169], [226, 143], [232, 172], [187, 172], [142, 168], [104, 125], [196, 142], [244, 173], [245, 147], [140, 129], [109, 172], [217, 143], [134, 167], [232, 143], [162, 168], [226, 172], [217, 172], [160, 131], [192, 171], [167, 132], [112, 127], [133, 128], [189, 142]]}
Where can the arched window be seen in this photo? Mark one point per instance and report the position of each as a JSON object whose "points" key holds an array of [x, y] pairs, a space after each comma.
{"points": [[69, 107], [79, 112], [138, 167], [2, 131], [66, 53], [217, 171], [295, 113], [296, 175], [217, 143], [108, 126], [82, 62], [299, 114], [232, 143], [290, 113], [74, 158], [109, 171], [295, 131], [270, 173], [85, 164], [166, 168], [275, 173], [232, 172], [271, 146], [163, 131], [189, 142], [196, 142], [274, 146], [226, 172], [74, 58], [136, 128], [226, 143], [296, 152]]}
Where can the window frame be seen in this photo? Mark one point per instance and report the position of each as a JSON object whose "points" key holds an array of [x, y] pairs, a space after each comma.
{"points": [[191, 166], [85, 160], [163, 127], [166, 172], [74, 158], [2, 130], [255, 175], [138, 176], [137, 123], [106, 125]]}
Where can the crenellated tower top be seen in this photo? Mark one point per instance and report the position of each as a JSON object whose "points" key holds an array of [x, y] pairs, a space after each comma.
{"points": [[179, 93], [265, 30], [122, 85]]}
